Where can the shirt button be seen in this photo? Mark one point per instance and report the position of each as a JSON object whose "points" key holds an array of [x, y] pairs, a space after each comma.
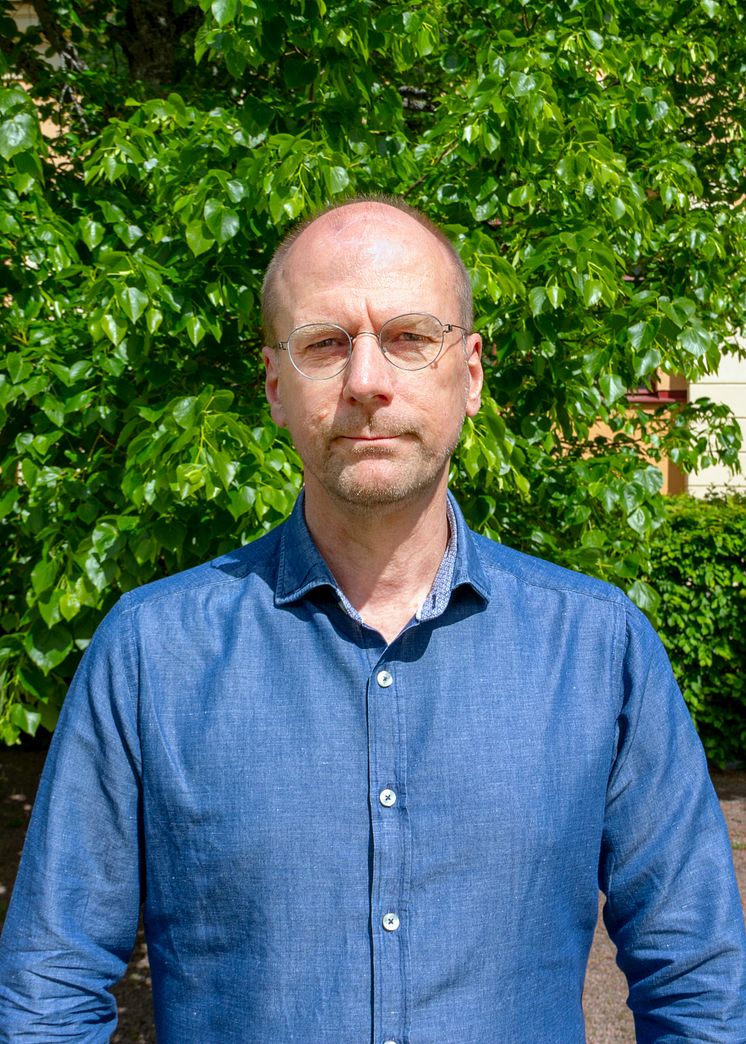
{"points": [[389, 1042], [387, 797], [384, 679], [390, 922]]}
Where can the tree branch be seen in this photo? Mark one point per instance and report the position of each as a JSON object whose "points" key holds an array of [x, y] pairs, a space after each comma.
{"points": [[56, 38]]}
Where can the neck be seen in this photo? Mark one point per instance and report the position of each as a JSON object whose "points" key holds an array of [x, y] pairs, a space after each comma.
{"points": [[384, 558]]}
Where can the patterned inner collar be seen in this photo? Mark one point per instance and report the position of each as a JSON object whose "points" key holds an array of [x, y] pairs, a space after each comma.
{"points": [[437, 598]]}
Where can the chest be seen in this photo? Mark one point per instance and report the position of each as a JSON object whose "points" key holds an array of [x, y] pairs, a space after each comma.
{"points": [[276, 755]]}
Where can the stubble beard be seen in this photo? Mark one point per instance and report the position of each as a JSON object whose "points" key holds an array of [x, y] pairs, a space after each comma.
{"points": [[403, 480]]}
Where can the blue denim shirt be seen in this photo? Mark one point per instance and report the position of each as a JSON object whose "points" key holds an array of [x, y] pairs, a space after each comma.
{"points": [[339, 840]]}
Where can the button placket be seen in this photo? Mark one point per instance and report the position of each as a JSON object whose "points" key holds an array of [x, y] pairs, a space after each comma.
{"points": [[387, 782]]}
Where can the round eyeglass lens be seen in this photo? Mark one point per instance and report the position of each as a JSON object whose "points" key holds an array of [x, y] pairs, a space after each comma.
{"points": [[413, 341], [319, 350]]}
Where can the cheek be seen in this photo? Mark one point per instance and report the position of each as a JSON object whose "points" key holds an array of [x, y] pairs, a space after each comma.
{"points": [[446, 403], [305, 415]]}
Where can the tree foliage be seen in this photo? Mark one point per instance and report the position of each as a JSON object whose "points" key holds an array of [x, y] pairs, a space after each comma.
{"points": [[586, 158]]}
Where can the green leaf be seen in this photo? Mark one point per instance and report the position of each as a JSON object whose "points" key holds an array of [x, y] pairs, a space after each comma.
{"points": [[50, 609], [48, 648], [639, 521], [185, 411], [537, 299], [43, 575], [70, 605], [236, 190], [29, 472], [8, 501], [12, 98], [145, 548], [195, 329], [114, 328], [133, 302], [521, 195], [53, 409], [647, 363], [17, 134], [223, 223], [641, 335], [695, 340], [224, 11], [153, 319], [339, 179], [34, 682], [522, 84], [128, 232], [592, 292], [196, 238], [98, 572], [24, 718], [612, 386], [225, 468], [241, 501], [644, 596], [8, 224], [91, 232]]}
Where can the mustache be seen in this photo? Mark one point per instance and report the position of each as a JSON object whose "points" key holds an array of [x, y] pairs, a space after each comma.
{"points": [[369, 431]]}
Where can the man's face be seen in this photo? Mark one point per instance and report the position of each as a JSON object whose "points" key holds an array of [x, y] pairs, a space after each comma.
{"points": [[373, 434]]}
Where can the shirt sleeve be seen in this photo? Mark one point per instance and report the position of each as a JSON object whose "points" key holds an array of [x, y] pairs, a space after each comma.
{"points": [[72, 920], [672, 908]]}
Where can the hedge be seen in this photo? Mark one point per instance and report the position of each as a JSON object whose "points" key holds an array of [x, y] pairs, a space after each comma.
{"points": [[699, 570]]}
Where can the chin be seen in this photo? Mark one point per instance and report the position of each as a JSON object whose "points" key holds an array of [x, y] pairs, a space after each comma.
{"points": [[382, 491]]}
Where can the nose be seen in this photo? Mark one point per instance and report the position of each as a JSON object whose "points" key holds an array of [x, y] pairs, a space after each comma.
{"points": [[368, 376]]}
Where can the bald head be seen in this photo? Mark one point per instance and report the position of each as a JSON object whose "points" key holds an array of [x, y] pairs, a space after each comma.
{"points": [[353, 235]]}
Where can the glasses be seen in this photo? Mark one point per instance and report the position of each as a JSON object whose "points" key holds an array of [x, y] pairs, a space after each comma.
{"points": [[409, 342]]}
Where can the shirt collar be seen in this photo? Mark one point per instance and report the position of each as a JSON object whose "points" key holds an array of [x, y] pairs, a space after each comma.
{"points": [[302, 568]]}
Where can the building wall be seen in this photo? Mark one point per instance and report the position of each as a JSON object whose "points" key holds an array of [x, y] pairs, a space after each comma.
{"points": [[24, 16], [728, 385]]}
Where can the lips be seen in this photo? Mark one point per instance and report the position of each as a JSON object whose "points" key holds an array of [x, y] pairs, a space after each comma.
{"points": [[370, 436]]}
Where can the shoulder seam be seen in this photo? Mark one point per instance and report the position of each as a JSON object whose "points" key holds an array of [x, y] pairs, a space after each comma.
{"points": [[129, 603], [615, 595]]}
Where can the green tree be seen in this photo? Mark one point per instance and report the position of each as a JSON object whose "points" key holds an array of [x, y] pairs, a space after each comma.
{"points": [[586, 158]]}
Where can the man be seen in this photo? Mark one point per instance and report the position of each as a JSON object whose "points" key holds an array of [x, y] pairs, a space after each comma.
{"points": [[367, 773]]}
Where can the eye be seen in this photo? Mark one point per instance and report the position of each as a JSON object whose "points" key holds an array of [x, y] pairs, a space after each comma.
{"points": [[326, 342], [318, 339]]}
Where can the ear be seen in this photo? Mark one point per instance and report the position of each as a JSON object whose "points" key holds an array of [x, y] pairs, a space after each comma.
{"points": [[271, 358], [476, 375]]}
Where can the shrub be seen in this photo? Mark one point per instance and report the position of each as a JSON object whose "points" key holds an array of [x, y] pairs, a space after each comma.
{"points": [[699, 570]]}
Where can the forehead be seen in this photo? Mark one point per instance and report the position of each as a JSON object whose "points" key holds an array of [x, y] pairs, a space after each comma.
{"points": [[364, 258]]}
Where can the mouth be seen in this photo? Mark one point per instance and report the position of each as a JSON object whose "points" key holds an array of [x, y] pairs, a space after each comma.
{"points": [[366, 444], [369, 438], [371, 441]]}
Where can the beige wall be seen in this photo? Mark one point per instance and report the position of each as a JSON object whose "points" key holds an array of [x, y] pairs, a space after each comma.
{"points": [[24, 15], [728, 385]]}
